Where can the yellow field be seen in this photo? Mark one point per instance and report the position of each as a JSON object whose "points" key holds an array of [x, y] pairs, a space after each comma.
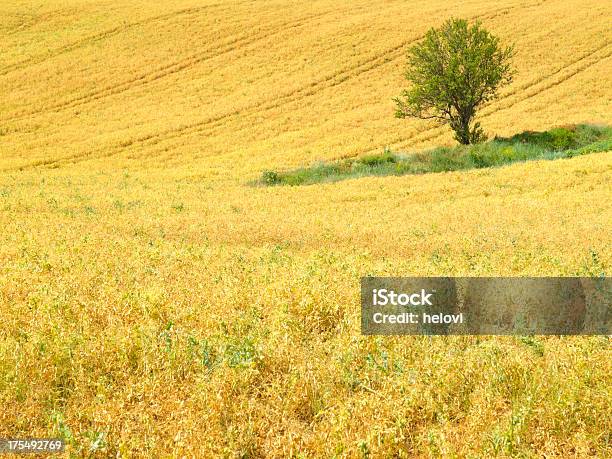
{"points": [[154, 305]]}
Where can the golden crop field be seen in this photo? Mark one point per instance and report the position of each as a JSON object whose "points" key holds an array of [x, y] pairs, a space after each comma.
{"points": [[154, 304]]}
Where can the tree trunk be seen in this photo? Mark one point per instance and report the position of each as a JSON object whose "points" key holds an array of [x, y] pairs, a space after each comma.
{"points": [[461, 126]]}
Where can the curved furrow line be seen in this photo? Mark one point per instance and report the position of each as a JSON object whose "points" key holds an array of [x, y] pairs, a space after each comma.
{"points": [[99, 37], [30, 22], [548, 86], [172, 68], [559, 70]]}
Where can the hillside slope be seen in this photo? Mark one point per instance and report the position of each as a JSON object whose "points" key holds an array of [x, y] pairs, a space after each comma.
{"points": [[155, 305], [262, 82]]}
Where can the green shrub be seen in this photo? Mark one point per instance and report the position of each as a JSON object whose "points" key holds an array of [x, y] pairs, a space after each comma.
{"points": [[376, 160], [557, 139], [270, 178]]}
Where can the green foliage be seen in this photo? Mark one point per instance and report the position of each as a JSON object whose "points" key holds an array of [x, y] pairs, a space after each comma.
{"points": [[564, 142], [562, 138], [375, 160], [242, 353], [452, 72], [270, 177]]}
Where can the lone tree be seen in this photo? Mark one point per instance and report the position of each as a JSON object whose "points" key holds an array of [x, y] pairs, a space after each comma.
{"points": [[452, 72]]}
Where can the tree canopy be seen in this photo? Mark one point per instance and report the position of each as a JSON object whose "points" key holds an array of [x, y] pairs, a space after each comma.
{"points": [[452, 72]]}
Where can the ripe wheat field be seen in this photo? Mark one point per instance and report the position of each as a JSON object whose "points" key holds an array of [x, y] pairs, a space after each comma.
{"points": [[154, 304]]}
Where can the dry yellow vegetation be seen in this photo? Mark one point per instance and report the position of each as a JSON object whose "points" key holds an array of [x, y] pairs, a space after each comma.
{"points": [[154, 305]]}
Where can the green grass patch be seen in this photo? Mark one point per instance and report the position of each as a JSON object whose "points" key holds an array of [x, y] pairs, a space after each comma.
{"points": [[557, 143]]}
